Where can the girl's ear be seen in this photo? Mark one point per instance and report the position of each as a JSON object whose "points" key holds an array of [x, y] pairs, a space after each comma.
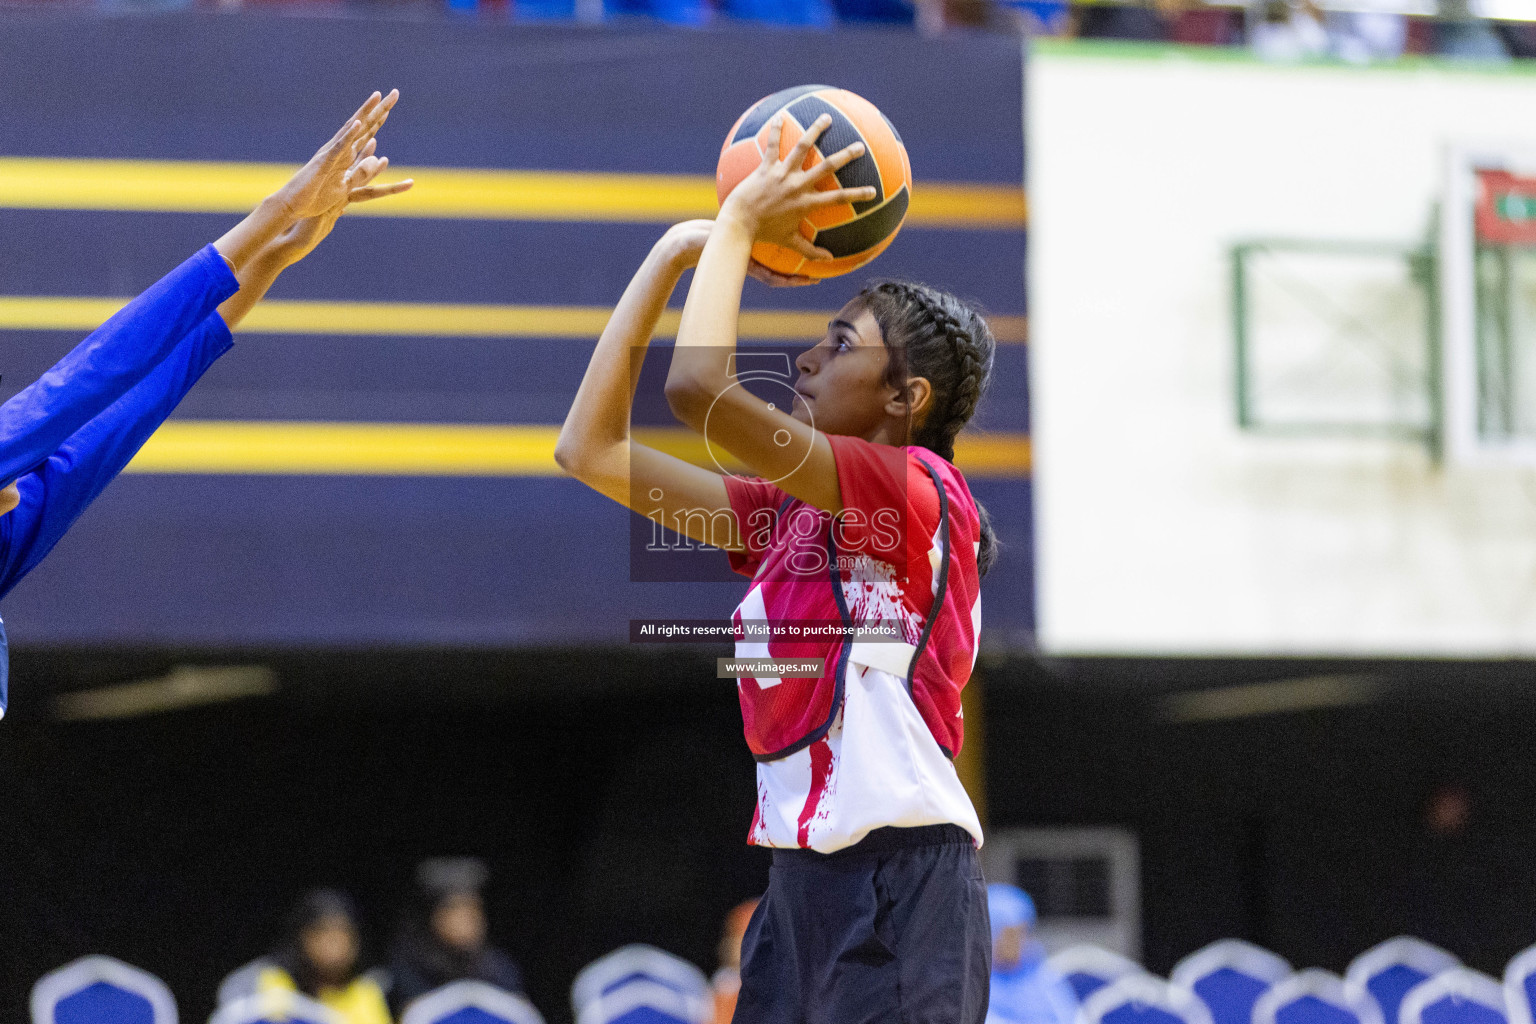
{"points": [[912, 401]]}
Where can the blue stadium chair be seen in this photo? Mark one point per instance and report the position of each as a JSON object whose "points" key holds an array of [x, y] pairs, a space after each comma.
{"points": [[101, 990], [1456, 996], [1520, 987], [1089, 968], [641, 984], [470, 1002], [1229, 976], [1387, 971], [1314, 997], [1143, 999], [275, 1007]]}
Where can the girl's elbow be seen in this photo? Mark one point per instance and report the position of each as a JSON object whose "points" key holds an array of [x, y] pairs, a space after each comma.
{"points": [[689, 399], [568, 456]]}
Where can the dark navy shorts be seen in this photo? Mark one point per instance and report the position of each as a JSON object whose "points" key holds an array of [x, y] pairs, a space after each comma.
{"points": [[892, 930]]}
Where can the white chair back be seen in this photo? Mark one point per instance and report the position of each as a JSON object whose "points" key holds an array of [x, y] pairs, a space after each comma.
{"points": [[1314, 997], [101, 990], [1386, 971], [275, 1006], [497, 1005], [1087, 968], [640, 982], [1143, 999], [1229, 975], [1457, 996], [1520, 987]]}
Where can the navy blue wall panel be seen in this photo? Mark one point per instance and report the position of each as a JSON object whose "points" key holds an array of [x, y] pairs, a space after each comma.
{"points": [[222, 560]]}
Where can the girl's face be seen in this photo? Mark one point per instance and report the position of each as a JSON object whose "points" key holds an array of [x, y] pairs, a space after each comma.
{"points": [[330, 945], [842, 379], [459, 922]]}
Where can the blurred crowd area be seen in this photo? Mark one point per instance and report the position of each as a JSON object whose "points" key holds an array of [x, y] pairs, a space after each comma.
{"points": [[443, 938], [1357, 31]]}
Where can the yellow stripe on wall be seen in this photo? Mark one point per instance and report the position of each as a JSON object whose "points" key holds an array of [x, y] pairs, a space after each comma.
{"points": [[194, 186], [425, 449], [430, 319]]}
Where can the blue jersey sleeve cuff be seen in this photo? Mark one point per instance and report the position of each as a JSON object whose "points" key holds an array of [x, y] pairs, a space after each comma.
{"points": [[222, 279]]}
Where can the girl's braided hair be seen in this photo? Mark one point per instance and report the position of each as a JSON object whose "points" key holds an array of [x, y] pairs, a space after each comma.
{"points": [[933, 334]]}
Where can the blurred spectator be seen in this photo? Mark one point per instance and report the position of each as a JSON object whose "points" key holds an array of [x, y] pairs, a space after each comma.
{"points": [[934, 16], [1461, 34], [1144, 20], [1519, 37], [319, 957], [1287, 30], [443, 936], [1363, 36], [1024, 989], [1044, 17], [727, 980]]}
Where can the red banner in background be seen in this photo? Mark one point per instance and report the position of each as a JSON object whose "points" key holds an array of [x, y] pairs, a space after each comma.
{"points": [[1506, 208]]}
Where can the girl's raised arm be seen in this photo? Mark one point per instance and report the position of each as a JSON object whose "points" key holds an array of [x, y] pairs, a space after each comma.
{"points": [[595, 445], [768, 204]]}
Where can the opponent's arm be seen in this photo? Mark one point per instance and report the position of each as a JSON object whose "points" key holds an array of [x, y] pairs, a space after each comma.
{"points": [[297, 241], [769, 204], [117, 355], [53, 495], [595, 445], [322, 184]]}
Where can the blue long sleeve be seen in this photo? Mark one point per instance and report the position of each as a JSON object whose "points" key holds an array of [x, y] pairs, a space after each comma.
{"points": [[55, 493], [113, 359]]}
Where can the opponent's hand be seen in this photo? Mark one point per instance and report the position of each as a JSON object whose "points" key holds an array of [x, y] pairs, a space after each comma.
{"points": [[328, 179], [300, 239], [773, 201]]}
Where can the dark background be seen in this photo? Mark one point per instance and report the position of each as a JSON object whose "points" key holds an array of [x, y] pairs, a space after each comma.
{"points": [[611, 795], [607, 786], [227, 561]]}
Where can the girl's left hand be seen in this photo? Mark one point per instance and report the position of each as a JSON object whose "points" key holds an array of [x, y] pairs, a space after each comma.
{"points": [[684, 243], [773, 201], [774, 279]]}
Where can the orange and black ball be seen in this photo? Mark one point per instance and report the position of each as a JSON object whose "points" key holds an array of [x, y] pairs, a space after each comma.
{"points": [[854, 233]]}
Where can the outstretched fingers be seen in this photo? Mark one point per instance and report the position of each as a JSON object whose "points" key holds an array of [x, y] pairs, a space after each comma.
{"points": [[367, 192], [368, 167], [802, 149], [831, 197], [774, 279], [834, 163], [771, 141], [379, 114], [805, 247], [370, 105]]}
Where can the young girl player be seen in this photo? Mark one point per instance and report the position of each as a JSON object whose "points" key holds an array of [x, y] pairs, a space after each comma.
{"points": [[876, 910]]}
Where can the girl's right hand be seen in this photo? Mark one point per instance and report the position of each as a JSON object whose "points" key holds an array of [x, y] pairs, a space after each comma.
{"points": [[772, 202]]}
